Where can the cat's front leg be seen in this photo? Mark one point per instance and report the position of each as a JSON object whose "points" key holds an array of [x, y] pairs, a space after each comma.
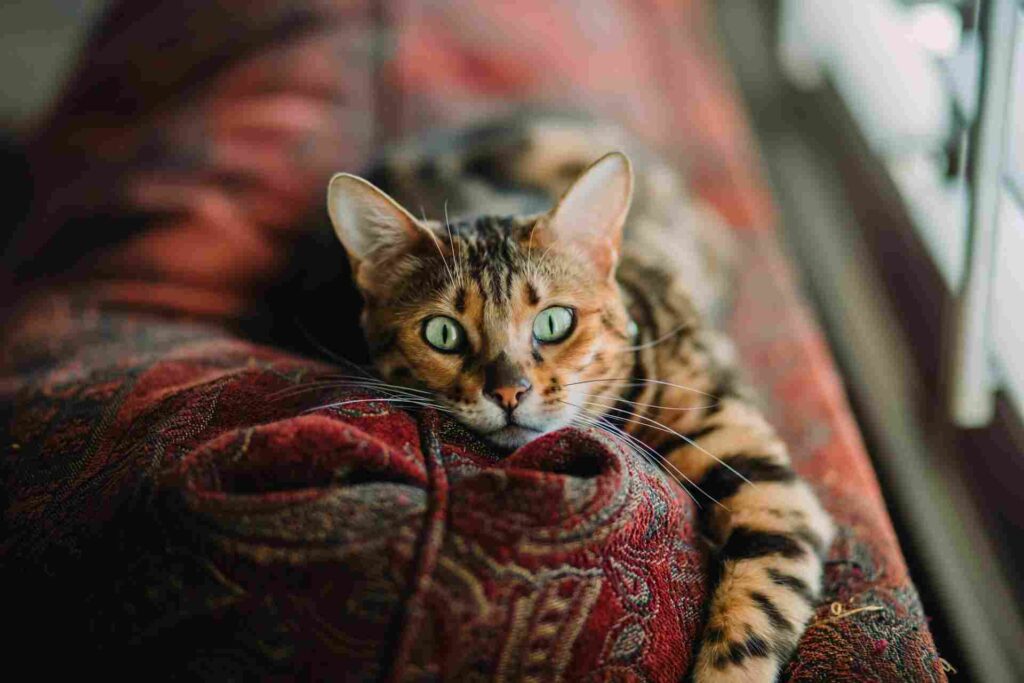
{"points": [[772, 535]]}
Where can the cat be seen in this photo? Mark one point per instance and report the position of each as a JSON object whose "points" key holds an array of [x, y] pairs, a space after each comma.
{"points": [[601, 312]]}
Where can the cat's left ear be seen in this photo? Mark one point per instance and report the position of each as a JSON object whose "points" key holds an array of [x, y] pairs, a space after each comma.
{"points": [[590, 215]]}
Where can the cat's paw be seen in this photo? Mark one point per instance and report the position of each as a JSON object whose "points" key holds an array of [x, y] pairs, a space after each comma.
{"points": [[736, 655], [717, 667]]}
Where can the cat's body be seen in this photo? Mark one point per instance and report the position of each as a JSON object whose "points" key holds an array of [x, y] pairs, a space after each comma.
{"points": [[521, 320]]}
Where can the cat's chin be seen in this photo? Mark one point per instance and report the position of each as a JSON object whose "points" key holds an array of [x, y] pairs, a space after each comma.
{"points": [[512, 436]]}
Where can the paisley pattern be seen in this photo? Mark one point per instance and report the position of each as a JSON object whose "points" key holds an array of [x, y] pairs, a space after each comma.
{"points": [[381, 541]]}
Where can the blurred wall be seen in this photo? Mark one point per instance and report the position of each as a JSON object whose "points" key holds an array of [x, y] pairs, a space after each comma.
{"points": [[39, 40]]}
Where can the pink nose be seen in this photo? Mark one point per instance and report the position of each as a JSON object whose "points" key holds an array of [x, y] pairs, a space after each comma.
{"points": [[508, 397], [505, 382]]}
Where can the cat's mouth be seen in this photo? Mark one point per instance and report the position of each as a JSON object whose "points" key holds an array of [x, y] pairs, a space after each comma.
{"points": [[512, 435]]}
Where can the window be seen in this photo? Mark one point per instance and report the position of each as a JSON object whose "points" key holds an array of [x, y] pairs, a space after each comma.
{"points": [[1007, 314], [947, 120]]}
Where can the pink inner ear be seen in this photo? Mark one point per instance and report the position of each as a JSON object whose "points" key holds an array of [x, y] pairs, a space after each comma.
{"points": [[592, 212], [369, 223]]}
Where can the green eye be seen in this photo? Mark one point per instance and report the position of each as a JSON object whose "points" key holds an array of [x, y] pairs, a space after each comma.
{"points": [[443, 333], [553, 324]]}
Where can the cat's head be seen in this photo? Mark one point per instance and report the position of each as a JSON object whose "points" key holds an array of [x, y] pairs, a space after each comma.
{"points": [[512, 323]]}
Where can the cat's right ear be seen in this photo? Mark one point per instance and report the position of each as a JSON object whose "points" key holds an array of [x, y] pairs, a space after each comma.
{"points": [[372, 226], [590, 215]]}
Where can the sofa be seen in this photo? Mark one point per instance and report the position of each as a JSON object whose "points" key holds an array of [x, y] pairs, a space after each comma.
{"points": [[178, 502]]}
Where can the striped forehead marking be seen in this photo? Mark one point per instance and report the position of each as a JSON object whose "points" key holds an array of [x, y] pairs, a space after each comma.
{"points": [[488, 247]]}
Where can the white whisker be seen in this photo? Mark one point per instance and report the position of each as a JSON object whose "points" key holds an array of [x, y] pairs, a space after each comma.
{"points": [[345, 383], [396, 401], [665, 337], [380, 383], [630, 444], [635, 382], [437, 244], [664, 462], [634, 445], [531, 264], [451, 241], [615, 400], [327, 352], [649, 422]]}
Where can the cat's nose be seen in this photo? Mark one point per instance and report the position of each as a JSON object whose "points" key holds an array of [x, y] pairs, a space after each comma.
{"points": [[508, 397], [505, 382]]}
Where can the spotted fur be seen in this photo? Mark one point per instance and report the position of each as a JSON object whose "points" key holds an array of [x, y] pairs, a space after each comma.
{"points": [[646, 295]]}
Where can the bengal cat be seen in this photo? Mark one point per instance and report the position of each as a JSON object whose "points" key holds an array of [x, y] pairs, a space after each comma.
{"points": [[600, 312]]}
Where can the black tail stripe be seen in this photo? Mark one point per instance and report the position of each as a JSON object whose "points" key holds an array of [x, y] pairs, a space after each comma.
{"points": [[727, 384], [811, 538], [753, 646], [703, 431], [794, 583], [713, 634], [721, 483], [674, 443], [745, 543], [666, 449], [775, 616]]}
